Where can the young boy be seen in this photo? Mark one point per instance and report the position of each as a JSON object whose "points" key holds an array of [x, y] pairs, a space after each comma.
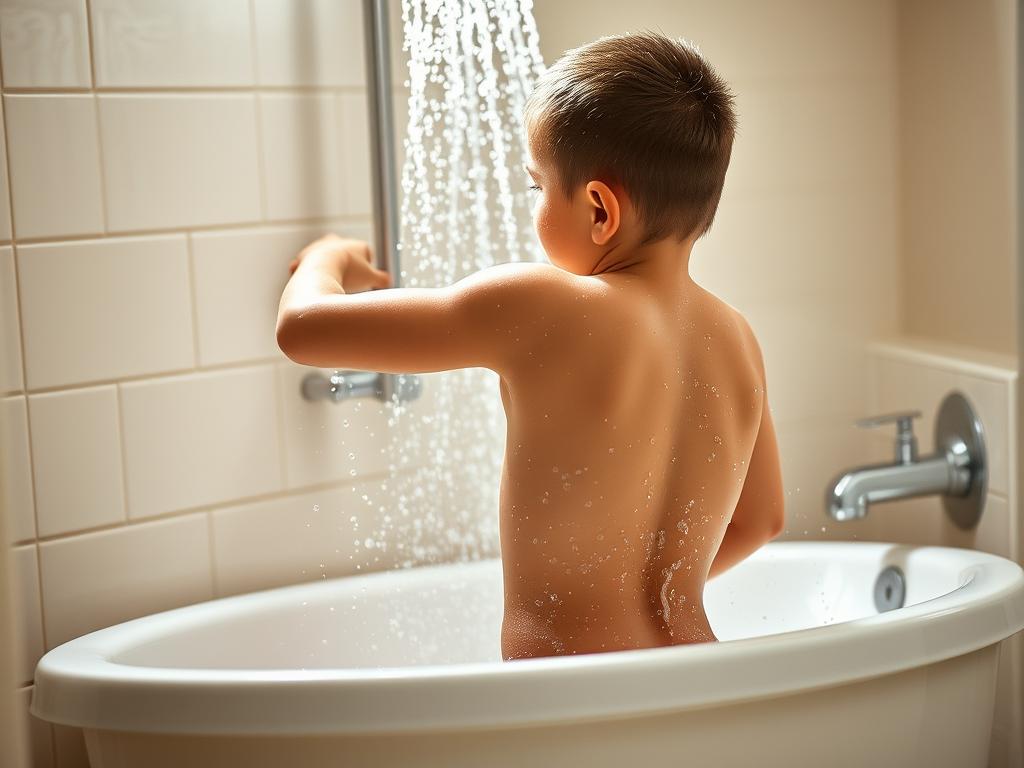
{"points": [[640, 457]]}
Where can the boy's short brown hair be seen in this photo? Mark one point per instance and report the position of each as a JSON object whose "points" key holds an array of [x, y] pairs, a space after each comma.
{"points": [[644, 111]]}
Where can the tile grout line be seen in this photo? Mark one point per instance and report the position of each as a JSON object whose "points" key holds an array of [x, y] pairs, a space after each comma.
{"points": [[124, 455], [310, 221], [261, 169], [186, 90], [190, 261], [279, 407], [261, 164], [154, 375], [104, 212], [193, 298], [282, 494], [211, 550]]}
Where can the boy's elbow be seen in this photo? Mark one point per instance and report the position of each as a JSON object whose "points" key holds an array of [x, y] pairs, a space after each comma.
{"points": [[289, 336]]}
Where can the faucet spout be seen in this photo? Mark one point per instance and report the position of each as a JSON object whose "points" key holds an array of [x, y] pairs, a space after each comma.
{"points": [[850, 494], [957, 471]]}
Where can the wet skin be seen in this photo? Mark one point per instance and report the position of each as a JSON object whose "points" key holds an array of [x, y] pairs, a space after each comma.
{"points": [[640, 455]]}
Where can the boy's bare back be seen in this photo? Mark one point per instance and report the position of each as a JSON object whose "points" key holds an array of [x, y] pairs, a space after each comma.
{"points": [[631, 423]]}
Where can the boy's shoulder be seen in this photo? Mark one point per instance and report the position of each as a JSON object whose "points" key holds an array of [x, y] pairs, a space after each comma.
{"points": [[521, 273], [519, 285]]}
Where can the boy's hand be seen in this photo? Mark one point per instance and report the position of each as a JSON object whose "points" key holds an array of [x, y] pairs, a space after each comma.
{"points": [[350, 261]]}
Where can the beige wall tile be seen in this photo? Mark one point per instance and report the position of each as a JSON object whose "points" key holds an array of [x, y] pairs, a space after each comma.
{"points": [[54, 165], [331, 442], [200, 439], [317, 42], [99, 309], [355, 153], [106, 577], [845, 138], [10, 326], [992, 533], [301, 147], [813, 358], [187, 42], [813, 454], [27, 612], [904, 386], [5, 200], [38, 734], [814, 240], [290, 540], [179, 160], [45, 44], [76, 452], [239, 278], [325, 441], [959, 205], [17, 470]]}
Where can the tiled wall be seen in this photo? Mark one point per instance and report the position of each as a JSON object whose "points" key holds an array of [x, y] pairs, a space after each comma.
{"points": [[164, 160]]}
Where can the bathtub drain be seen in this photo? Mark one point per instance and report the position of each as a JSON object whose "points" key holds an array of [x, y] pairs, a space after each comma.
{"points": [[889, 589]]}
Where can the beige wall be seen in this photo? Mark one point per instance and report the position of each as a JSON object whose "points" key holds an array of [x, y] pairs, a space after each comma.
{"points": [[957, 90]]}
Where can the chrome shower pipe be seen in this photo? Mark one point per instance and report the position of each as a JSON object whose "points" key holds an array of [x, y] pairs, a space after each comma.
{"points": [[384, 198], [383, 165]]}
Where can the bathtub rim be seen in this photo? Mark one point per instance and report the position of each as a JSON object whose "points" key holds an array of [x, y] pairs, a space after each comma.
{"points": [[77, 685]]}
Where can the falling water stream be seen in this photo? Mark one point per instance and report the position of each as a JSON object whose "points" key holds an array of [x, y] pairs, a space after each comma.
{"points": [[464, 206]]}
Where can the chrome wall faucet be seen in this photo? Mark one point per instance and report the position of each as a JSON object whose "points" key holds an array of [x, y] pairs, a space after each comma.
{"points": [[957, 470]]}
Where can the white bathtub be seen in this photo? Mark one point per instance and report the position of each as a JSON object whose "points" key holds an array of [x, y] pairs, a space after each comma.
{"points": [[403, 668]]}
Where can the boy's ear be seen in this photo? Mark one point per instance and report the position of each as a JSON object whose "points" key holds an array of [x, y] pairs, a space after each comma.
{"points": [[604, 212]]}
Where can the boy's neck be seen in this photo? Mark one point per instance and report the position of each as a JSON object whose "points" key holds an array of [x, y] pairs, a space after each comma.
{"points": [[666, 259]]}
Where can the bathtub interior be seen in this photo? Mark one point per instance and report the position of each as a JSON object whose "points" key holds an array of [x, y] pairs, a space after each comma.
{"points": [[451, 614]]}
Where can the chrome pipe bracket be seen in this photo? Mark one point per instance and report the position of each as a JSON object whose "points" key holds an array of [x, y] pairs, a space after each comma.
{"points": [[345, 385], [959, 435]]}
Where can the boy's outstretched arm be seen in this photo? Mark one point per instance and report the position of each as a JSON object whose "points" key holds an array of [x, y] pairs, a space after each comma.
{"points": [[327, 318]]}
